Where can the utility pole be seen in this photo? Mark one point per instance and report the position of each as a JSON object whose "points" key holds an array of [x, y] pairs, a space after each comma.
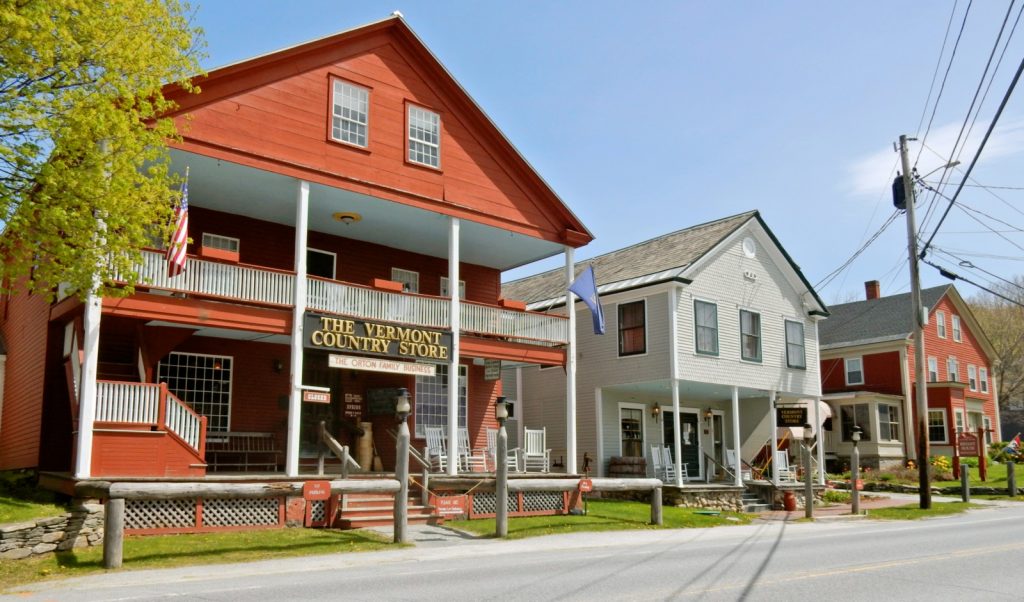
{"points": [[925, 486]]}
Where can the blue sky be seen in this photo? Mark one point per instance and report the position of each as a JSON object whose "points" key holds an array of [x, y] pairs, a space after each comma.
{"points": [[648, 117]]}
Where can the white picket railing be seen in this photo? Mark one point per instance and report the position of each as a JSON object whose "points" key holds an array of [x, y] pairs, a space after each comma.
{"points": [[132, 403], [221, 279], [373, 304], [182, 421], [520, 325]]}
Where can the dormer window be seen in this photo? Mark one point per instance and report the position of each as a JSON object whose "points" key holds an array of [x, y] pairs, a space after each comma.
{"points": [[424, 137], [351, 113]]}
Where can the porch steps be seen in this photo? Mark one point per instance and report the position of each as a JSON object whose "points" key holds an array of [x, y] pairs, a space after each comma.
{"points": [[752, 503], [367, 510]]}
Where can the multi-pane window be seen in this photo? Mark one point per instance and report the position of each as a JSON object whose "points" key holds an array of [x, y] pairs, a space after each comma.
{"points": [[424, 137], [983, 377], [201, 381], [854, 371], [888, 422], [632, 328], [444, 288], [933, 370], [705, 318], [953, 369], [972, 377], [959, 420], [955, 319], [796, 356], [937, 426], [351, 112], [940, 324], [432, 399], [987, 422], [222, 243], [750, 335], [410, 280], [855, 414]]}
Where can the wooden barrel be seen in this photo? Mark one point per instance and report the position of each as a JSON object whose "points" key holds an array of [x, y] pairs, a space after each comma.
{"points": [[364, 446], [627, 466]]}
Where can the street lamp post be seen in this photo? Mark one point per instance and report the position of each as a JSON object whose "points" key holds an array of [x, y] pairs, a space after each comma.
{"points": [[501, 470], [855, 471], [402, 410], [808, 474]]}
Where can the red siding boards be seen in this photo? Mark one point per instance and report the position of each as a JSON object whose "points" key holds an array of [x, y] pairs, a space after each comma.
{"points": [[24, 329], [881, 374]]}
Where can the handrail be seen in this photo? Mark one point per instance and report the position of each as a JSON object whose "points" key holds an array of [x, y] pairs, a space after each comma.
{"points": [[339, 450], [150, 404], [707, 473]]}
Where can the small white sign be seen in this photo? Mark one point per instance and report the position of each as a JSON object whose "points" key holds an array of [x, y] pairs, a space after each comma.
{"points": [[374, 364]]}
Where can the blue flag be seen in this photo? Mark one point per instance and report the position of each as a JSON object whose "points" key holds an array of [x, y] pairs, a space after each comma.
{"points": [[585, 286]]}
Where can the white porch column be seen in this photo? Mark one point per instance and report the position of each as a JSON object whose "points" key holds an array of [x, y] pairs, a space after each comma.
{"points": [[87, 388], [775, 436], [736, 435], [599, 416], [677, 436], [291, 459], [673, 369], [453, 366], [821, 440], [570, 366], [910, 448]]}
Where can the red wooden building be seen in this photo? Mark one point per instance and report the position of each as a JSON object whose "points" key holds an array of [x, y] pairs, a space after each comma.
{"points": [[351, 212], [868, 375]]}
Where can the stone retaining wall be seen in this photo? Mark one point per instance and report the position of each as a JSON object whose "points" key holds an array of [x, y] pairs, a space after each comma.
{"points": [[81, 527], [686, 497]]}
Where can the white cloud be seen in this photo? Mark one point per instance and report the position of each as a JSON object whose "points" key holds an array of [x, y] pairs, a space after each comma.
{"points": [[872, 174]]}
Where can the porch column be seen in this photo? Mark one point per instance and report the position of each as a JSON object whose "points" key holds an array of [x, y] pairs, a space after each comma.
{"points": [[736, 435], [775, 436], [87, 388], [673, 370], [453, 366], [677, 437], [909, 436], [821, 440], [570, 365], [599, 417], [291, 461]]}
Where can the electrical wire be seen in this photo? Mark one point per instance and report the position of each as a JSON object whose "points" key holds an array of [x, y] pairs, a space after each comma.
{"points": [[984, 186], [964, 263], [834, 273], [954, 276]]}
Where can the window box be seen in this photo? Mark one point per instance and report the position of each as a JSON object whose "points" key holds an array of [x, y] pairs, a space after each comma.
{"points": [[512, 304], [387, 285]]}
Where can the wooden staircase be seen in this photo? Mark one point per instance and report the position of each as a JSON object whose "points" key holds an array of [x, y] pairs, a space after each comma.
{"points": [[359, 510]]}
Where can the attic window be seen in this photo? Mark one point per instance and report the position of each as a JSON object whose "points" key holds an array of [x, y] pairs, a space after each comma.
{"points": [[424, 137], [350, 115]]}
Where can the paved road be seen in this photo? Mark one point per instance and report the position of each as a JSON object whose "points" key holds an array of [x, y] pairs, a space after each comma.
{"points": [[970, 556]]}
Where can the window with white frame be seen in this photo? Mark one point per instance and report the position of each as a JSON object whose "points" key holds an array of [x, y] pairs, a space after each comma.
{"points": [[750, 335], [410, 280], [856, 414], [432, 399], [854, 371], [888, 422], [796, 354], [953, 369], [933, 370], [983, 377], [940, 324], [705, 320], [351, 113], [201, 381], [987, 423], [959, 416], [632, 328], [955, 321], [321, 263], [424, 137], [937, 426], [444, 288], [631, 429], [972, 377], [221, 243]]}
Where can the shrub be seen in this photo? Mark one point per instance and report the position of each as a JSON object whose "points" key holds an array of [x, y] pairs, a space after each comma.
{"points": [[831, 496], [969, 461]]}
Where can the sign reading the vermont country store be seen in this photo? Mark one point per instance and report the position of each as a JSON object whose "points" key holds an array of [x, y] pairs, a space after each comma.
{"points": [[329, 333], [791, 416]]}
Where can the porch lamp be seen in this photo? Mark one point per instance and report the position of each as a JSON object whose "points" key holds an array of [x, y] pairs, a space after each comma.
{"points": [[500, 410], [707, 415], [656, 411], [402, 407]]}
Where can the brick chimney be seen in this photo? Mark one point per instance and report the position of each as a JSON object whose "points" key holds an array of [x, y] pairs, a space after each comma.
{"points": [[872, 289]]}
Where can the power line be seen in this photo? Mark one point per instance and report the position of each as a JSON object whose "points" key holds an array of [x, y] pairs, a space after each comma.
{"points": [[954, 276], [987, 189], [970, 265], [832, 275], [985, 186]]}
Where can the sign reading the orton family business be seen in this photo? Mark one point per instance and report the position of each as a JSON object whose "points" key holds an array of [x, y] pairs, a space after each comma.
{"points": [[791, 416], [328, 333]]}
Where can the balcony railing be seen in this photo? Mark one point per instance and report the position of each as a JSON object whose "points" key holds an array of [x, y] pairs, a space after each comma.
{"points": [[266, 286]]}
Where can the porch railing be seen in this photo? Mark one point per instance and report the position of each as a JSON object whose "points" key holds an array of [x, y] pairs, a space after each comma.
{"points": [[373, 304], [221, 279], [153, 405], [527, 326]]}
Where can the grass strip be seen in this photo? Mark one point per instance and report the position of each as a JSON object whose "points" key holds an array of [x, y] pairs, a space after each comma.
{"points": [[914, 511]]}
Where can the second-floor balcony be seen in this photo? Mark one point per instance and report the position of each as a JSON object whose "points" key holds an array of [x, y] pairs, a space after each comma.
{"points": [[265, 286]]}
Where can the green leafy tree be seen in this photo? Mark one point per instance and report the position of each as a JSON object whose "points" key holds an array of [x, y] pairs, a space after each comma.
{"points": [[1003, 323], [83, 135]]}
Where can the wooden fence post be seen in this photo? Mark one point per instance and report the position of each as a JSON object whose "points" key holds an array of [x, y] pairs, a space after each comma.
{"points": [[656, 506], [113, 533]]}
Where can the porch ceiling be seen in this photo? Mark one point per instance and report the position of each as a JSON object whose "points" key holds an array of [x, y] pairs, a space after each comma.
{"points": [[232, 188], [688, 390], [225, 333]]}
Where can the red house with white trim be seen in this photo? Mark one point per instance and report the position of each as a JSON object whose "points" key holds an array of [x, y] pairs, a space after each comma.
{"points": [[337, 190], [868, 375]]}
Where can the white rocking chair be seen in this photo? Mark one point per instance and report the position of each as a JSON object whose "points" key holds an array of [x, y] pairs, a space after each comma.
{"points": [[512, 456], [436, 452], [470, 460], [782, 465], [535, 455]]}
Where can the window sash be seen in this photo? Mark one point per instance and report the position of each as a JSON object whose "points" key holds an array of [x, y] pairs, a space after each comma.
{"points": [[983, 377], [956, 328], [410, 280], [796, 353], [424, 137], [933, 370], [705, 317], [940, 324], [850, 362], [350, 115], [953, 369], [972, 378], [203, 382], [632, 328], [750, 335], [858, 414], [431, 400], [937, 426], [888, 422]]}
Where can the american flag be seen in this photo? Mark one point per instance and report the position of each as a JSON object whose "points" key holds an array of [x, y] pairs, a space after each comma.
{"points": [[176, 252]]}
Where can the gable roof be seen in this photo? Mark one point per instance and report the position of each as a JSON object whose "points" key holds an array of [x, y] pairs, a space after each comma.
{"points": [[246, 75], [875, 320], [661, 259]]}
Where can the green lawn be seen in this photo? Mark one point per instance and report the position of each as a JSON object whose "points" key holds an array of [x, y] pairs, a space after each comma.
{"points": [[914, 512], [996, 477], [603, 515], [165, 551], [16, 510]]}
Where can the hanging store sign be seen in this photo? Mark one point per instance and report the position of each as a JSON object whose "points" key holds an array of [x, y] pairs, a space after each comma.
{"points": [[329, 333], [791, 416], [376, 364], [315, 396], [968, 444], [492, 369]]}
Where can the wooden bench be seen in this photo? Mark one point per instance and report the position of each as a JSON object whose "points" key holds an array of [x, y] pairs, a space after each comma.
{"points": [[238, 452]]}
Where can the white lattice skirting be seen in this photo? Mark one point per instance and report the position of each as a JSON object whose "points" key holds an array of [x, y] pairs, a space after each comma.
{"points": [[181, 514]]}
